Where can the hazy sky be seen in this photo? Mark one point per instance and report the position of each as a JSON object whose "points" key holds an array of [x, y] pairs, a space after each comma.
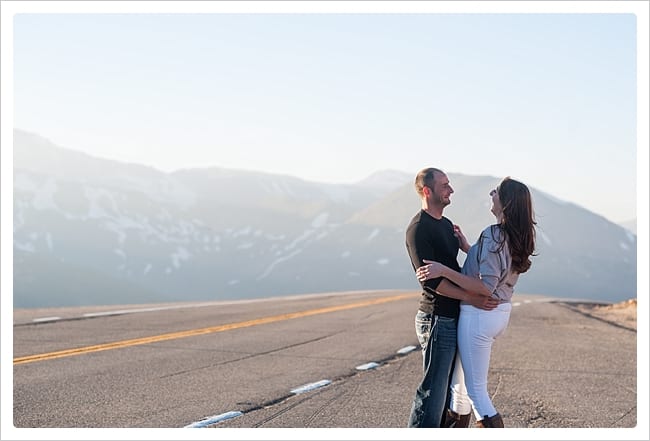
{"points": [[549, 99]]}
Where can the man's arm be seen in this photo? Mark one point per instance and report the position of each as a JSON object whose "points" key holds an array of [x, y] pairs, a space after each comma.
{"points": [[448, 289], [419, 248]]}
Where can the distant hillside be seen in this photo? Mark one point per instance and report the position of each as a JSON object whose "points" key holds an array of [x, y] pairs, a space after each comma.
{"points": [[629, 225], [94, 231]]}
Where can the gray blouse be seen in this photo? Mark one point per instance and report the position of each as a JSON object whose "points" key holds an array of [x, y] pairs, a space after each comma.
{"points": [[493, 267]]}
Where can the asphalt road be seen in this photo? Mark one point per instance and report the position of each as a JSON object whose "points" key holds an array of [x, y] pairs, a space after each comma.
{"points": [[173, 366]]}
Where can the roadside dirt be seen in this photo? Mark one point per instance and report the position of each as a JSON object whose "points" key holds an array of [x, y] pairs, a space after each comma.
{"points": [[622, 313]]}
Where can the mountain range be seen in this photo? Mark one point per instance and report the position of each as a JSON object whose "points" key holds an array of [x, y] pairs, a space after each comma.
{"points": [[91, 231]]}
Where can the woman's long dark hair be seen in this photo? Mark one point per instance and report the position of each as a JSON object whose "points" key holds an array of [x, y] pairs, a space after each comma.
{"points": [[518, 222]]}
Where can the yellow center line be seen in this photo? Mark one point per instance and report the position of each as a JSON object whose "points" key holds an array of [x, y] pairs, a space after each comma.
{"points": [[203, 331]]}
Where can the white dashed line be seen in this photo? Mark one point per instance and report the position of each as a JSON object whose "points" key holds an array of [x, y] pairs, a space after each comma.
{"points": [[214, 419], [208, 421], [365, 367], [133, 311], [310, 386], [46, 319], [406, 349]]}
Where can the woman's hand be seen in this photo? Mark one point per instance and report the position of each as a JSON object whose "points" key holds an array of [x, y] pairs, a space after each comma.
{"points": [[430, 270], [462, 240]]}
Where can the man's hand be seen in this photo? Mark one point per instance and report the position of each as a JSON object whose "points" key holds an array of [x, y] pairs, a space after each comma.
{"points": [[483, 302]]}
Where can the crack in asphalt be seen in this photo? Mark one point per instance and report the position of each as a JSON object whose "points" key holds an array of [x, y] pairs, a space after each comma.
{"points": [[382, 362], [247, 357]]}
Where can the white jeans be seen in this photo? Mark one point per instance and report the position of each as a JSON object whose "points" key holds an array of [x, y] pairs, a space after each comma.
{"points": [[477, 330]]}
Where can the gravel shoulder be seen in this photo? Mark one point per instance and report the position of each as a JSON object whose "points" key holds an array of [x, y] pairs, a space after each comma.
{"points": [[622, 314]]}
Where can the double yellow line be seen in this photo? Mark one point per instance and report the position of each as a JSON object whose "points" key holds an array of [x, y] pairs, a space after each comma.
{"points": [[203, 331]]}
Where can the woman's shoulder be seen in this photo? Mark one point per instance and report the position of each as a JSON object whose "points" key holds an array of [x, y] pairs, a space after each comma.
{"points": [[492, 234], [492, 231]]}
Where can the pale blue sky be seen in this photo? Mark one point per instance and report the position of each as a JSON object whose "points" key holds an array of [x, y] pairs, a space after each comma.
{"points": [[547, 98]]}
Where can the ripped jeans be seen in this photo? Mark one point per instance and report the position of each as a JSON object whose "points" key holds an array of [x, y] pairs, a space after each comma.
{"points": [[437, 337]]}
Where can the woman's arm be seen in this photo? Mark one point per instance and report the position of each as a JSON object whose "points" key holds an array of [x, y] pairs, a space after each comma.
{"points": [[435, 269]]}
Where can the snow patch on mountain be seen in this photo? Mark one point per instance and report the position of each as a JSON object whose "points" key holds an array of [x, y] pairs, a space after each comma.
{"points": [[44, 196], [180, 255], [373, 234], [299, 239], [336, 193], [276, 262], [277, 187], [242, 232], [24, 246], [320, 220]]}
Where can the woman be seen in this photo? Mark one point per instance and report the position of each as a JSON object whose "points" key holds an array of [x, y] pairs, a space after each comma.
{"points": [[492, 268]]}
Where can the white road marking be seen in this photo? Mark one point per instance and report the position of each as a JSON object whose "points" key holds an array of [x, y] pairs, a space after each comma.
{"points": [[310, 386], [406, 349], [365, 367], [46, 319], [214, 419]]}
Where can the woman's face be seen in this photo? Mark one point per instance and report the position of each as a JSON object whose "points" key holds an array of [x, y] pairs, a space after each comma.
{"points": [[497, 208]]}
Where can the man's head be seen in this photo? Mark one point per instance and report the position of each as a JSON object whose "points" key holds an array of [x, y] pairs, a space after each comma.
{"points": [[433, 187]]}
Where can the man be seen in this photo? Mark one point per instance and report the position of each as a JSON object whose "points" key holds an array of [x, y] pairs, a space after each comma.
{"points": [[431, 236]]}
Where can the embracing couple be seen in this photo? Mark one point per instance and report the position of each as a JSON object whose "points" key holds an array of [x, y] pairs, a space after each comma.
{"points": [[463, 310]]}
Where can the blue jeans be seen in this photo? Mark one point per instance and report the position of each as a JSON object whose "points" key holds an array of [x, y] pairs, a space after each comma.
{"points": [[437, 336]]}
